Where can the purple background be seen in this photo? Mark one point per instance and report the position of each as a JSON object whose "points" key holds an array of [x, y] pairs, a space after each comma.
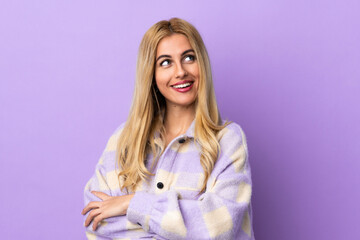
{"points": [[286, 71]]}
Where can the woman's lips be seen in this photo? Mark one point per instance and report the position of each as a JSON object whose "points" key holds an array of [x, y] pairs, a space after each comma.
{"points": [[183, 86], [182, 82]]}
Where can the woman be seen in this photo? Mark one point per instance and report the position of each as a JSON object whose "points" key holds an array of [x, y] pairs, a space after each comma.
{"points": [[174, 170]]}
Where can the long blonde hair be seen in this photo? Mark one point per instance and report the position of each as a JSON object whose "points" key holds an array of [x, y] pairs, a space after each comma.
{"points": [[148, 107]]}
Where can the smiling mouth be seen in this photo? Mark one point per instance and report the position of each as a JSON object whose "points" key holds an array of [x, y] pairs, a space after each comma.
{"points": [[183, 85]]}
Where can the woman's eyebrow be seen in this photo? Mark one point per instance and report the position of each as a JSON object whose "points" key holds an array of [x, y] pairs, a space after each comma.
{"points": [[163, 56], [187, 51], [168, 56]]}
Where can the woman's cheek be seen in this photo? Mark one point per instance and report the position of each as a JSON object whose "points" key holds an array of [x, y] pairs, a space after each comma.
{"points": [[163, 78]]}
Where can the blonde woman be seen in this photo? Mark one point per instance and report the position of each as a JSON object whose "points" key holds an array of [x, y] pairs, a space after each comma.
{"points": [[174, 169]]}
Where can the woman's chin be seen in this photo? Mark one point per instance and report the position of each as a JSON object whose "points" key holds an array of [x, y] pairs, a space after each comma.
{"points": [[182, 104]]}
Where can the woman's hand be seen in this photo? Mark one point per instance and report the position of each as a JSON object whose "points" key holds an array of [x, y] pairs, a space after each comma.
{"points": [[109, 207]]}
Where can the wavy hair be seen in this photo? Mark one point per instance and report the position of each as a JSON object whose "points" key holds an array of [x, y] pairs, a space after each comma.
{"points": [[148, 107]]}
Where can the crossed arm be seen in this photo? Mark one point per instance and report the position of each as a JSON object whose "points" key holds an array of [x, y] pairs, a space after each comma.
{"points": [[222, 212], [108, 207]]}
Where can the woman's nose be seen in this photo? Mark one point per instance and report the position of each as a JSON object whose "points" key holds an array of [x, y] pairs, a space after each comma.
{"points": [[180, 71]]}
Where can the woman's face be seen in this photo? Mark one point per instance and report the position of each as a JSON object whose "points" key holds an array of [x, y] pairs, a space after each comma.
{"points": [[176, 70]]}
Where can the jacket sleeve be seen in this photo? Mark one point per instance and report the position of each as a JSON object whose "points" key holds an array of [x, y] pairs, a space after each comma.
{"points": [[223, 211], [105, 180]]}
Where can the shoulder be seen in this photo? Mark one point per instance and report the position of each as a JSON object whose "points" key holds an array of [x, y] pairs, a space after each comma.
{"points": [[231, 135], [112, 142], [107, 170], [108, 157], [233, 154]]}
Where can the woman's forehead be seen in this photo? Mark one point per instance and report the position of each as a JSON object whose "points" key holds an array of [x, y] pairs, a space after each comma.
{"points": [[174, 44]]}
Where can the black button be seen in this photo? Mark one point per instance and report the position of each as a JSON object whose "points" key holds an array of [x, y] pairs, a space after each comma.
{"points": [[139, 224], [182, 140], [160, 185]]}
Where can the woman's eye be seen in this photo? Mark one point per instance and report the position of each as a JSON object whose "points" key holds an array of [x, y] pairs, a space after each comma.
{"points": [[165, 63], [189, 58]]}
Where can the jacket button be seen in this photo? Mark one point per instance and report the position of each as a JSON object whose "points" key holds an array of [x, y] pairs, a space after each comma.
{"points": [[182, 140], [160, 185]]}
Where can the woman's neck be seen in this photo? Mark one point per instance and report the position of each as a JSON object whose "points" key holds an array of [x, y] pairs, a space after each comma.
{"points": [[178, 119]]}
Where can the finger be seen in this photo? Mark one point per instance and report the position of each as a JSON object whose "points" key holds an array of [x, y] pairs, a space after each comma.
{"points": [[97, 220], [101, 195], [91, 216], [90, 206]]}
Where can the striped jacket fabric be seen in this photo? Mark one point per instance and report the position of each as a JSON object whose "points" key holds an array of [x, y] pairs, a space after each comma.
{"points": [[169, 205]]}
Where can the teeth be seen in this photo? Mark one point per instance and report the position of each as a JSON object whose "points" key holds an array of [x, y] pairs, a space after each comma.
{"points": [[182, 85]]}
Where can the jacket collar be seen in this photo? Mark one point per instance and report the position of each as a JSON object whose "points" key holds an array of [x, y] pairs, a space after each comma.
{"points": [[190, 132]]}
